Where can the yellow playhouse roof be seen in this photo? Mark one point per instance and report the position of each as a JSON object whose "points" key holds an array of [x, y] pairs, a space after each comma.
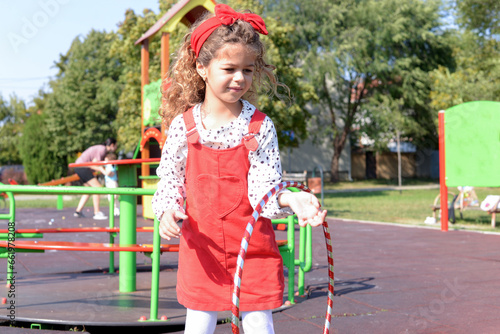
{"points": [[185, 11]]}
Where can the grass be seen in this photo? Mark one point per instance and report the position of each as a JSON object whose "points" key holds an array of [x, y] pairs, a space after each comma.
{"points": [[405, 207], [377, 184]]}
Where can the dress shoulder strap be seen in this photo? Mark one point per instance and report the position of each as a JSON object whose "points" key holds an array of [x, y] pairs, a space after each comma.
{"points": [[253, 128], [191, 132]]}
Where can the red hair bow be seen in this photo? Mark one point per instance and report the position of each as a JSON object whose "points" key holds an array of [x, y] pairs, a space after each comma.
{"points": [[224, 15]]}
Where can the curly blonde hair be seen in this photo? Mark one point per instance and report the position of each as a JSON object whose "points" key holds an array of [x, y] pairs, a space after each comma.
{"points": [[186, 88]]}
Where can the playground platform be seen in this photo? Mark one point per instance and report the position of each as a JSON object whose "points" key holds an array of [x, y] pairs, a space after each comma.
{"points": [[388, 279]]}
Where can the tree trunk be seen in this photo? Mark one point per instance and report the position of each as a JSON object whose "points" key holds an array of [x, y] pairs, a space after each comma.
{"points": [[338, 147], [335, 168], [341, 136]]}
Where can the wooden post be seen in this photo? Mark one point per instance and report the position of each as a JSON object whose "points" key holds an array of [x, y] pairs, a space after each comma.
{"points": [[144, 81], [165, 64], [442, 175]]}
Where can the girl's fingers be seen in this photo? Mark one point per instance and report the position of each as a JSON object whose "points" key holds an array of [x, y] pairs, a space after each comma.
{"points": [[315, 201], [314, 221], [168, 225]]}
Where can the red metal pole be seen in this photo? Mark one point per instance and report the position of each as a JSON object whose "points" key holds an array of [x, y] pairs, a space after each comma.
{"points": [[442, 175]]}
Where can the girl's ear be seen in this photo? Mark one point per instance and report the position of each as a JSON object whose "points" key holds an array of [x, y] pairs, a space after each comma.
{"points": [[201, 70]]}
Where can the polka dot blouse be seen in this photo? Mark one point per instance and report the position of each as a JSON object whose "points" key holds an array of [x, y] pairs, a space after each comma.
{"points": [[265, 164]]}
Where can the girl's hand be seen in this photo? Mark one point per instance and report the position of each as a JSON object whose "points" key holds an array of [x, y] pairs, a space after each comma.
{"points": [[305, 205], [168, 224]]}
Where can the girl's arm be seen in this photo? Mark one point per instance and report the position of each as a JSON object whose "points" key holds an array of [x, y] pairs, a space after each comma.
{"points": [[171, 191], [265, 172]]}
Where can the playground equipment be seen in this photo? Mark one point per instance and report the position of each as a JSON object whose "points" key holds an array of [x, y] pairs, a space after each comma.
{"points": [[127, 225], [127, 177], [62, 180], [127, 270], [186, 12], [469, 148], [244, 246]]}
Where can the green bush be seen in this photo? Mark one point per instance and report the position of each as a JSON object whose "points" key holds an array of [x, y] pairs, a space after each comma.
{"points": [[41, 164]]}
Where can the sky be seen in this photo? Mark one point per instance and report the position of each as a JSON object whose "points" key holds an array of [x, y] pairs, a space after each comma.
{"points": [[33, 33]]}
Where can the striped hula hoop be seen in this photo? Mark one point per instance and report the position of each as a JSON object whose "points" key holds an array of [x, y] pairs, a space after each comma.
{"points": [[235, 317]]}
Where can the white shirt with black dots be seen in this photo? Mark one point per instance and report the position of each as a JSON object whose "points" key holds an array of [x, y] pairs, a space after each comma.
{"points": [[265, 164]]}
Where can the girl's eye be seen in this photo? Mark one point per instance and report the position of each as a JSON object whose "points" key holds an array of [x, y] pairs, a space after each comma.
{"points": [[249, 71]]}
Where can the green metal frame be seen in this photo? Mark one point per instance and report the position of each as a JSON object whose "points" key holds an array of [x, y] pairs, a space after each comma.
{"points": [[129, 192], [304, 262], [128, 204]]}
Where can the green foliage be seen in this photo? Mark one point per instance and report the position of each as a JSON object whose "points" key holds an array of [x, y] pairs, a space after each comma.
{"points": [[363, 57], [12, 117], [84, 99], [128, 120], [41, 163], [481, 16], [287, 110], [476, 77], [476, 50]]}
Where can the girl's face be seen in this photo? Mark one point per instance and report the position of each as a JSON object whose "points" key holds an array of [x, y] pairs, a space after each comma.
{"points": [[229, 76]]}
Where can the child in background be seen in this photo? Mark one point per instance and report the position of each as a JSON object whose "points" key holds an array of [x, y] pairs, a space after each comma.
{"points": [[221, 157], [111, 180]]}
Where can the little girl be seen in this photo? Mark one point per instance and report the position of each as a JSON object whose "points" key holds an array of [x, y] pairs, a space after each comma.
{"points": [[111, 180], [222, 157]]}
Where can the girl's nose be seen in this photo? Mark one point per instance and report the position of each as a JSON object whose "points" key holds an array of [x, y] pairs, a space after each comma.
{"points": [[238, 76]]}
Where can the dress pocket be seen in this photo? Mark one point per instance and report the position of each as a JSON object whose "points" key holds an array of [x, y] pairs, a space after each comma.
{"points": [[222, 195]]}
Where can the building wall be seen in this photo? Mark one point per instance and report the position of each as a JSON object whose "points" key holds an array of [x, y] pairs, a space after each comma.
{"points": [[427, 162], [358, 166], [387, 165], [308, 156]]}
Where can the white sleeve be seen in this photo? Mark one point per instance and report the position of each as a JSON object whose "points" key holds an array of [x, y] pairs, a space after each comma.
{"points": [[171, 189], [265, 172]]}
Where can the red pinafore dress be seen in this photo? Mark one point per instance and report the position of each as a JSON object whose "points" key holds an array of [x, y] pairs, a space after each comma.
{"points": [[218, 211]]}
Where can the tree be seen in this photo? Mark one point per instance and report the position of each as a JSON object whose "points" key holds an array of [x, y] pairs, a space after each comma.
{"points": [[41, 163], [476, 51], [128, 120], [83, 104], [12, 117], [480, 16], [288, 111], [475, 78], [354, 52]]}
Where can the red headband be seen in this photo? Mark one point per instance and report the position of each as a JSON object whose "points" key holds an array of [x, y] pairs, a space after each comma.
{"points": [[224, 15]]}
